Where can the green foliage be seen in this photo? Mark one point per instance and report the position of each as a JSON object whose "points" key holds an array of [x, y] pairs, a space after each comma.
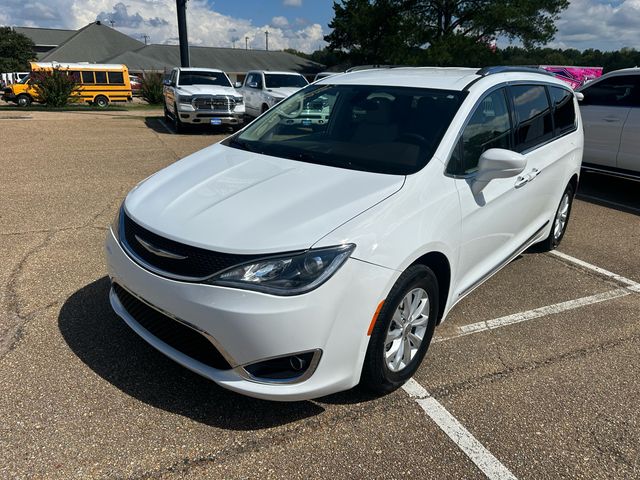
{"points": [[152, 89], [403, 31], [16, 50], [54, 87]]}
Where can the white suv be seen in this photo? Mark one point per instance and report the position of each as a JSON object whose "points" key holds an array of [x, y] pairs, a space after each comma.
{"points": [[294, 260], [201, 96], [263, 89]]}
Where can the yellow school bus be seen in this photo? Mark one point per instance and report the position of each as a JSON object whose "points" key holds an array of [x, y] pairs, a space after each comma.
{"points": [[98, 84]]}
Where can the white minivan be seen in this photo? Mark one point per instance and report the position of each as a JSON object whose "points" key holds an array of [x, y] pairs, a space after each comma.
{"points": [[297, 259]]}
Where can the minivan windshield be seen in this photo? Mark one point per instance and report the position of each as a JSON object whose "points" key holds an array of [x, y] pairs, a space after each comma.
{"points": [[278, 80], [382, 129], [203, 78]]}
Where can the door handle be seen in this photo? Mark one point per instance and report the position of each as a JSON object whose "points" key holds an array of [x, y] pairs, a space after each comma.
{"points": [[520, 181], [611, 119], [534, 173]]}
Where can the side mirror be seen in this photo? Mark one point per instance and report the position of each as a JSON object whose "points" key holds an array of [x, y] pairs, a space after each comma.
{"points": [[166, 83], [237, 85], [253, 85], [497, 163]]}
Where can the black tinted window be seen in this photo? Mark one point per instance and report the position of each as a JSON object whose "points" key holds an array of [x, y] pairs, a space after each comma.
{"points": [[620, 91], [533, 116], [488, 127], [101, 77], [564, 114], [276, 80], [87, 77], [191, 77], [116, 77]]}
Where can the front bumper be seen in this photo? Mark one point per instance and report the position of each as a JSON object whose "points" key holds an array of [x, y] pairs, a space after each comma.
{"points": [[248, 327]]}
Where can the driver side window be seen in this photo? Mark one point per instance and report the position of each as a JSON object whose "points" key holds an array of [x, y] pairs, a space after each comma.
{"points": [[489, 127]]}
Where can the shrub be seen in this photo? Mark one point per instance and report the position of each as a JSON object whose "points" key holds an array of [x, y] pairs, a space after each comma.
{"points": [[54, 87], [151, 88]]}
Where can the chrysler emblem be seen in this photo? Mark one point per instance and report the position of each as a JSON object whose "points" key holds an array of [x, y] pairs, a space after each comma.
{"points": [[158, 251]]}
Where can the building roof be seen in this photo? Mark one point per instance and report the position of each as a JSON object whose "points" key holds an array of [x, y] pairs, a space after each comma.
{"points": [[230, 60], [46, 37], [92, 43]]}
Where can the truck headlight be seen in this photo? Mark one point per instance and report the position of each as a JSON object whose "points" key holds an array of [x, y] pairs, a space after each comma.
{"points": [[287, 274]]}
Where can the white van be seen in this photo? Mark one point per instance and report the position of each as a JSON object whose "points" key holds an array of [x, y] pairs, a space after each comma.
{"points": [[294, 260]]}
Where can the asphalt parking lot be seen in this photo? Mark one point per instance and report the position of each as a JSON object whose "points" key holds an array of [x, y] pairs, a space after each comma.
{"points": [[534, 375]]}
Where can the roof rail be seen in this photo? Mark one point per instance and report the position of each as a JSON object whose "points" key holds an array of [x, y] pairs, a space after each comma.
{"points": [[483, 72]]}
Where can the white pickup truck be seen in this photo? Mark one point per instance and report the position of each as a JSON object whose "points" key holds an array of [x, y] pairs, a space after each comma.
{"points": [[201, 96], [262, 89]]}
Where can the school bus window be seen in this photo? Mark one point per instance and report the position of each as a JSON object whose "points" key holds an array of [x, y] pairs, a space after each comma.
{"points": [[87, 77], [101, 77], [116, 77]]}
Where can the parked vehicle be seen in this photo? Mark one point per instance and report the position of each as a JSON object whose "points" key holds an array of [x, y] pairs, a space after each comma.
{"points": [[321, 75], [263, 89], [99, 84], [136, 84], [291, 261], [611, 114], [201, 96]]}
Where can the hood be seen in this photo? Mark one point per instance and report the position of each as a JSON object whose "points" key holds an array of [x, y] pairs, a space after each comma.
{"points": [[283, 92], [235, 201], [207, 90]]}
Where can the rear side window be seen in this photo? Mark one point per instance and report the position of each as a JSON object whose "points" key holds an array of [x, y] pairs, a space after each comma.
{"points": [[488, 127], [533, 116], [87, 77], [618, 91], [564, 113], [116, 77], [101, 77]]}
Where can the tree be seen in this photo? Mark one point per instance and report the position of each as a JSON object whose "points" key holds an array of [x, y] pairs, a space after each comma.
{"points": [[16, 50], [55, 87], [403, 31]]}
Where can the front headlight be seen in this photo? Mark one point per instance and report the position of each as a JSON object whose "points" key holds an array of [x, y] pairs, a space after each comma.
{"points": [[239, 100], [286, 275]]}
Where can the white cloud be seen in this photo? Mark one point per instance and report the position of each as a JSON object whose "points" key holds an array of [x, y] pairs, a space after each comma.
{"points": [[292, 3], [279, 21], [157, 18]]}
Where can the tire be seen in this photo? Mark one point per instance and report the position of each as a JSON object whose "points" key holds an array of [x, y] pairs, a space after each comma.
{"points": [[101, 101], [382, 372], [560, 222], [178, 126], [167, 116], [23, 100]]}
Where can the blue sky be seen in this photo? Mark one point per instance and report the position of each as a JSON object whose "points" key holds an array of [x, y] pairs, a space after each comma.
{"points": [[298, 24]]}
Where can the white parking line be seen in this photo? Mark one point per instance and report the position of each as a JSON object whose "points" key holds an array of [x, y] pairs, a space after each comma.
{"points": [[535, 313], [631, 285], [169, 129], [472, 448]]}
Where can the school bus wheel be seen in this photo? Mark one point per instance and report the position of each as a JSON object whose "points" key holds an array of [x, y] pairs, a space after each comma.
{"points": [[101, 101], [23, 100]]}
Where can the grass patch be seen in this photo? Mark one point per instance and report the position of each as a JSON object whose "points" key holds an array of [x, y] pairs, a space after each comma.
{"points": [[78, 108]]}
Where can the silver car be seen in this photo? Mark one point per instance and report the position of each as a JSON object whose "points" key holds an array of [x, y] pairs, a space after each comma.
{"points": [[611, 115]]}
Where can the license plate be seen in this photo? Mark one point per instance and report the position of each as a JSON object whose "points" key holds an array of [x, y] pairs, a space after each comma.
{"points": [[306, 122], [216, 121]]}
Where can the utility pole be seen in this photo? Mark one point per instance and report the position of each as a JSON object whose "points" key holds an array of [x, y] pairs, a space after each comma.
{"points": [[112, 22], [246, 43], [181, 6], [233, 42], [266, 37], [146, 37]]}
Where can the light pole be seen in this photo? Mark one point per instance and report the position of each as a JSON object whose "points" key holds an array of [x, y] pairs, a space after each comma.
{"points": [[246, 43], [266, 37], [181, 6]]}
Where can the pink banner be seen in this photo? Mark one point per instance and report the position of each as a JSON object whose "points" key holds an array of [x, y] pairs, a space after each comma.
{"points": [[574, 76]]}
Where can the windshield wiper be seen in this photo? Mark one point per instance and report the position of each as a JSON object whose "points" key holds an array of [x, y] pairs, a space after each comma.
{"points": [[242, 145]]}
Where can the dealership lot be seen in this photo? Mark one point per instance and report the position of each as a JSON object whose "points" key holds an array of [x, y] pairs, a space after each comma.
{"points": [[533, 375]]}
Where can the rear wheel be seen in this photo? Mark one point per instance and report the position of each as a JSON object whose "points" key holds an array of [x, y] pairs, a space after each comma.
{"points": [[101, 101], [560, 222], [23, 100], [402, 332]]}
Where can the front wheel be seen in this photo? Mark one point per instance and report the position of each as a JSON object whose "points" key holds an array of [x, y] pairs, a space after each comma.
{"points": [[101, 101], [402, 332], [560, 221], [23, 100]]}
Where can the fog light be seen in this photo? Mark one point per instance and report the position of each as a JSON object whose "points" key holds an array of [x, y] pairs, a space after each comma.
{"points": [[287, 368]]}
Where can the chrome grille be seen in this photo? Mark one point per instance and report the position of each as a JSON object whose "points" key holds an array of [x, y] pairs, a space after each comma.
{"points": [[218, 103]]}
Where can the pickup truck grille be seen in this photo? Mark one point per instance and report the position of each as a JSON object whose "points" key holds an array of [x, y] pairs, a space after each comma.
{"points": [[218, 103]]}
